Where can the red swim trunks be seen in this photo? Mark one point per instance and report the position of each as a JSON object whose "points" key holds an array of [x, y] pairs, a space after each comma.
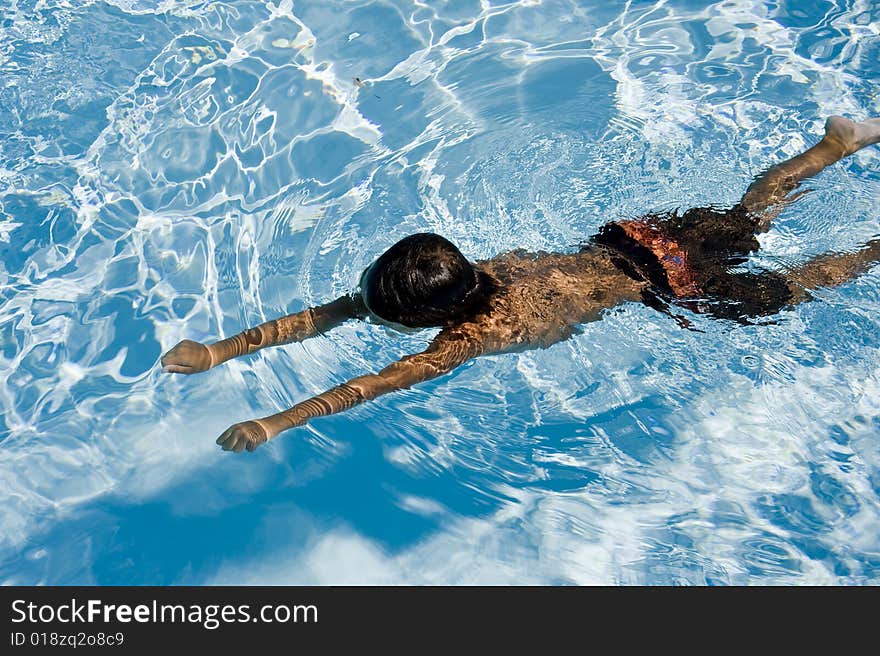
{"points": [[670, 255], [690, 256]]}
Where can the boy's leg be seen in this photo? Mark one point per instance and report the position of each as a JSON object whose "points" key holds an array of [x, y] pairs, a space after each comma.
{"points": [[831, 269], [842, 137]]}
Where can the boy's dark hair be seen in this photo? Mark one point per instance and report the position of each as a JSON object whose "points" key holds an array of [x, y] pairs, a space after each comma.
{"points": [[423, 281]]}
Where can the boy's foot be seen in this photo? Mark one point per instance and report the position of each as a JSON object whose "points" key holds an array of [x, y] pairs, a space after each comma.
{"points": [[851, 135]]}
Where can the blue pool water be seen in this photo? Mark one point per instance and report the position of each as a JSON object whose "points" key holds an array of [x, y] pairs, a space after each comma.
{"points": [[182, 169]]}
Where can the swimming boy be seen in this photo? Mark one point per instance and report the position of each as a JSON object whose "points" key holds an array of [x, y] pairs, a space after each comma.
{"points": [[521, 300]]}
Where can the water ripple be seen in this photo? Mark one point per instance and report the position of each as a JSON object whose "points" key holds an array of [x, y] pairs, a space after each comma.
{"points": [[187, 169]]}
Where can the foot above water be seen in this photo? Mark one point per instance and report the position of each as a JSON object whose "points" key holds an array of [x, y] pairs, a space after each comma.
{"points": [[852, 135]]}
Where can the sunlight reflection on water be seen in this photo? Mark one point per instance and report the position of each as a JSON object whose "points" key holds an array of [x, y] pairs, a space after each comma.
{"points": [[190, 169]]}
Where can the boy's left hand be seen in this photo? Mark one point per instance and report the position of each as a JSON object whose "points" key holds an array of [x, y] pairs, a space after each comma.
{"points": [[188, 357]]}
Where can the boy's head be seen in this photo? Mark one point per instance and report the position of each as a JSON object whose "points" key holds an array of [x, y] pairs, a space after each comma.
{"points": [[422, 281]]}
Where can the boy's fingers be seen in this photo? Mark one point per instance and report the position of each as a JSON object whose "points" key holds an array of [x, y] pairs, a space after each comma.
{"points": [[224, 437], [177, 369]]}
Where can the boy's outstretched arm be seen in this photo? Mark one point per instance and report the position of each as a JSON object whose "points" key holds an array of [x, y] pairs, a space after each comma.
{"points": [[445, 353], [190, 357]]}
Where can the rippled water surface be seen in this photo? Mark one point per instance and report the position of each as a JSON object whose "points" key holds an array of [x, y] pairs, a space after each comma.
{"points": [[174, 169]]}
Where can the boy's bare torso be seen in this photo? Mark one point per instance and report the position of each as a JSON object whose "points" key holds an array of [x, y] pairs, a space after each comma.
{"points": [[543, 297]]}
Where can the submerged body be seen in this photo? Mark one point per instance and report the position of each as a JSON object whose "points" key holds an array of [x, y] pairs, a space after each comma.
{"points": [[520, 300]]}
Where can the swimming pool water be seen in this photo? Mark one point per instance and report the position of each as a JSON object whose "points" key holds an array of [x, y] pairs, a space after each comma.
{"points": [[181, 169]]}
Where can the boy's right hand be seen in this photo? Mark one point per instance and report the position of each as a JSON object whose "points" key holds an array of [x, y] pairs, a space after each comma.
{"points": [[188, 357]]}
